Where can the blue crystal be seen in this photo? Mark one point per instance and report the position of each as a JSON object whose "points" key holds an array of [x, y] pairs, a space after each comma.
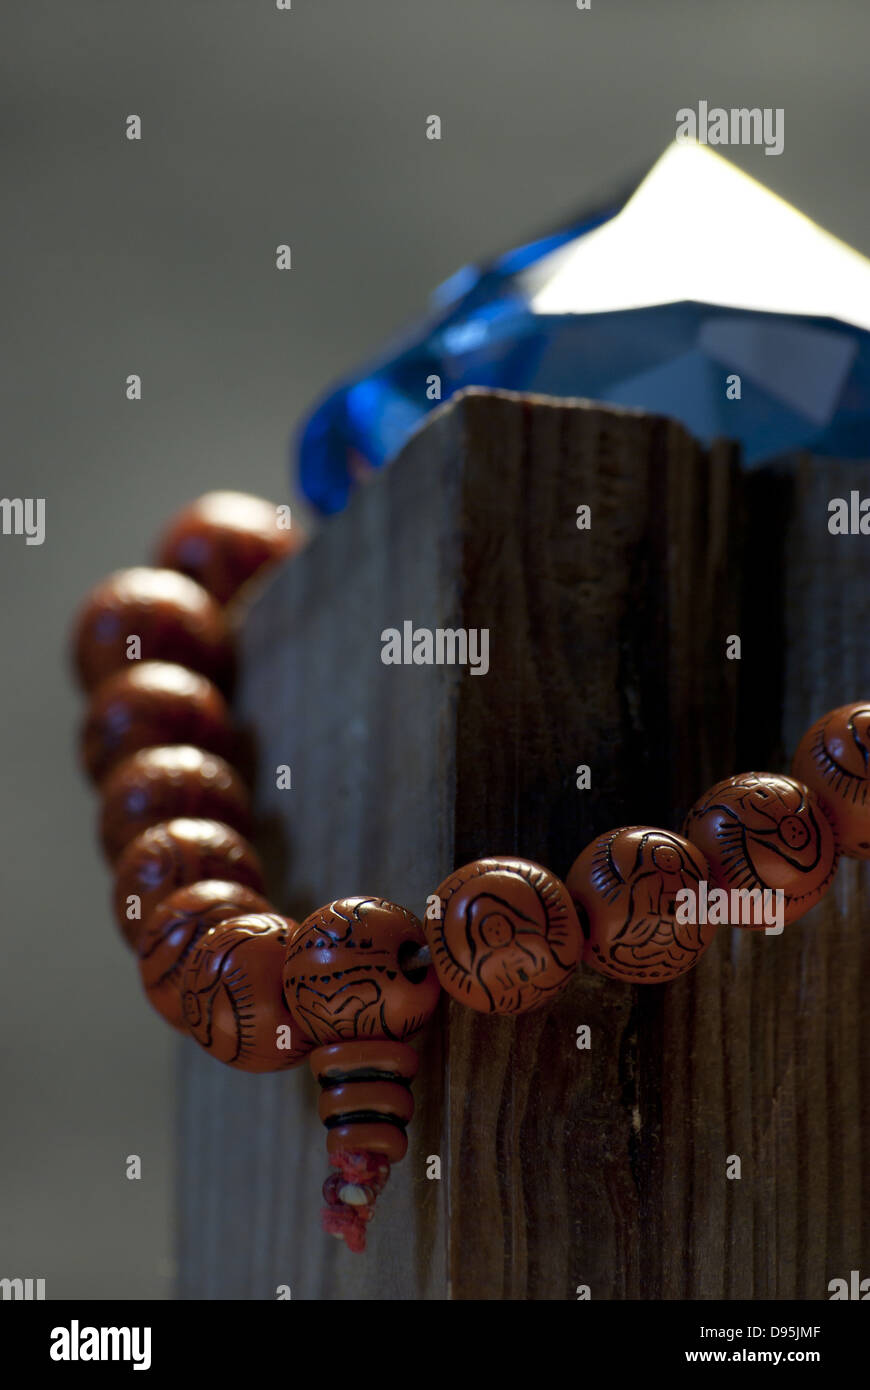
{"points": [[805, 380]]}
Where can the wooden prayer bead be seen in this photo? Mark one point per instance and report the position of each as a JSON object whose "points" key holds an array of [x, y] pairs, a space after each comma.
{"points": [[833, 759], [232, 999], [174, 619], [344, 975], [337, 1062], [158, 784], [224, 538], [366, 1100], [763, 831], [625, 886], [173, 929], [373, 1097], [153, 704], [173, 854], [506, 938], [367, 1137]]}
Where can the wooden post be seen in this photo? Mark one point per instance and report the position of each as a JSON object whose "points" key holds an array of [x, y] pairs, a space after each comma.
{"points": [[795, 1080], [560, 1167]]}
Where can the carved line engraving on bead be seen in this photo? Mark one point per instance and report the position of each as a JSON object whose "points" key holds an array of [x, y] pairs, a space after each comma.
{"points": [[839, 778], [153, 946], [743, 907], [506, 993], [650, 936], [235, 986], [354, 1007], [744, 826]]}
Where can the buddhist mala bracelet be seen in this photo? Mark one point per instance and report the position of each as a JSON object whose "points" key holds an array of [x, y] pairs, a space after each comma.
{"points": [[351, 984]]}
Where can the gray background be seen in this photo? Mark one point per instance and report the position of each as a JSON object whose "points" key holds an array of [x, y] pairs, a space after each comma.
{"points": [[262, 127]]}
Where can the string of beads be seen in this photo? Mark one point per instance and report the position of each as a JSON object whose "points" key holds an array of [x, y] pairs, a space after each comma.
{"points": [[350, 985]]}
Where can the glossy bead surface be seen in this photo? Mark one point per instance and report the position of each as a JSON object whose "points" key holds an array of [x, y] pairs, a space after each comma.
{"points": [[344, 976], [366, 1100], [153, 704], [507, 938], [375, 1096], [368, 1137], [761, 830], [231, 995], [624, 886], [336, 1062], [224, 538], [173, 929], [174, 618], [176, 853], [833, 759], [159, 784]]}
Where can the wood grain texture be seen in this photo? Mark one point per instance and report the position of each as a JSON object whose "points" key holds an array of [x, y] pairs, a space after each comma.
{"points": [[604, 640], [561, 1167], [802, 1004]]}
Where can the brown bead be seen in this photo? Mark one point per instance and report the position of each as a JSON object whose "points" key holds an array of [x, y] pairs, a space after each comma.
{"points": [[224, 538], [337, 1062], [507, 938], [159, 784], [232, 999], [376, 1097], [366, 1101], [625, 886], [833, 759], [176, 853], [174, 618], [173, 929], [372, 1138], [150, 705], [344, 975], [761, 830]]}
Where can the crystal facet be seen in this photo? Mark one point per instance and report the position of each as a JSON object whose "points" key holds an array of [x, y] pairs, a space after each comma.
{"points": [[701, 277]]}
